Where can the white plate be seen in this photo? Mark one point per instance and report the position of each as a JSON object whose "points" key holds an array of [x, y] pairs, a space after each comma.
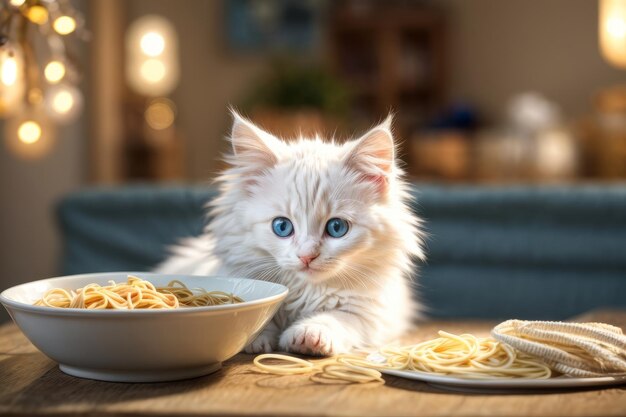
{"points": [[499, 384], [464, 384]]}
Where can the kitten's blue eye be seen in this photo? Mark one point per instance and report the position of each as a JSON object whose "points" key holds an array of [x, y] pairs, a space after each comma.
{"points": [[337, 227], [282, 226]]}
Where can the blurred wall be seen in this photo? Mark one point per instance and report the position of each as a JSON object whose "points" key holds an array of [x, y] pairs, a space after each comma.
{"points": [[502, 47]]}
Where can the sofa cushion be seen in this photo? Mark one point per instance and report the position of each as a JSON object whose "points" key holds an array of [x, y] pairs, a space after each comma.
{"points": [[493, 252]]}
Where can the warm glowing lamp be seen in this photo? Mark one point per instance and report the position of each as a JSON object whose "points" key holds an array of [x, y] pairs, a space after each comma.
{"points": [[152, 67], [612, 28], [64, 25], [9, 71], [152, 44], [11, 79]]}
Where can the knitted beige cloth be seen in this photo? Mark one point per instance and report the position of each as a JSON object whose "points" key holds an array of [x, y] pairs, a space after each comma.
{"points": [[574, 349]]}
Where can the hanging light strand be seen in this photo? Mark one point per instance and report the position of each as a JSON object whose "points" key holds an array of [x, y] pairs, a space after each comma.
{"points": [[36, 93]]}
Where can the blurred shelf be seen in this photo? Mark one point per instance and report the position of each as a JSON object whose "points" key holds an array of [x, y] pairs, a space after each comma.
{"points": [[391, 54]]}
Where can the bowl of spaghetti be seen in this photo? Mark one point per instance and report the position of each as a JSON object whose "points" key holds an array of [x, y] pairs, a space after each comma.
{"points": [[139, 326]]}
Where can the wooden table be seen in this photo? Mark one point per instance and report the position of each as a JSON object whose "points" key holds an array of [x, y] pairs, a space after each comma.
{"points": [[31, 384]]}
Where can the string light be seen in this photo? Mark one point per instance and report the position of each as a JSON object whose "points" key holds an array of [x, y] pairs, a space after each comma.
{"points": [[64, 25], [32, 95], [8, 72], [29, 132], [54, 71], [12, 84], [63, 103], [37, 14], [29, 135]]}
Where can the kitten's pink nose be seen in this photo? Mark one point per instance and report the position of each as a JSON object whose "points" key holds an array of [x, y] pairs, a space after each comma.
{"points": [[306, 260]]}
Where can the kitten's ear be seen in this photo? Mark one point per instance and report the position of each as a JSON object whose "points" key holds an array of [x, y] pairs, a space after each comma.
{"points": [[373, 154], [253, 146]]}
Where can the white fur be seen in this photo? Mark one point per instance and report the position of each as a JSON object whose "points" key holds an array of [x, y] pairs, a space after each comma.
{"points": [[359, 293]]}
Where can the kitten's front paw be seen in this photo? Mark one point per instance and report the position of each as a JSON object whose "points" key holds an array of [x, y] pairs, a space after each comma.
{"points": [[310, 339], [264, 343]]}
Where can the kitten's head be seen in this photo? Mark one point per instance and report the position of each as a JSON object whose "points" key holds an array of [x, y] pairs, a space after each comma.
{"points": [[319, 210]]}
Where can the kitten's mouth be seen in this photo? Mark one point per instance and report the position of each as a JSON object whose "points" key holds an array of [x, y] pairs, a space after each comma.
{"points": [[316, 274]]}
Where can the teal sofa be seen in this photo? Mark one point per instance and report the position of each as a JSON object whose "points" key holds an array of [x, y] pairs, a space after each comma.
{"points": [[501, 252]]}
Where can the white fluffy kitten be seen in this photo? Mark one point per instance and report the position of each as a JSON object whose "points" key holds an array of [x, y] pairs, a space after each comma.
{"points": [[331, 222]]}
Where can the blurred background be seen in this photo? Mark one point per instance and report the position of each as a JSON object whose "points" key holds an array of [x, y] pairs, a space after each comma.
{"points": [[111, 92]]}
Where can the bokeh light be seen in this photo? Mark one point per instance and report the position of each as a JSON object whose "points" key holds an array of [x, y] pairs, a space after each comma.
{"points": [[37, 14], [63, 103], [152, 44], [160, 114], [54, 71], [29, 135], [152, 66], [12, 85], [8, 72], [616, 27], [29, 132], [612, 26], [64, 25], [153, 70]]}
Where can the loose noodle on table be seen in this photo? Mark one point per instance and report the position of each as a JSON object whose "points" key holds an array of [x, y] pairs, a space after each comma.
{"points": [[463, 356]]}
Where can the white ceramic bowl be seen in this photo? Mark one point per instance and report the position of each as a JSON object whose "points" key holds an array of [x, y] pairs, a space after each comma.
{"points": [[143, 345]]}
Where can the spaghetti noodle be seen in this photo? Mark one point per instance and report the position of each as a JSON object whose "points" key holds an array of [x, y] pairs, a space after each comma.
{"points": [[136, 293], [345, 368], [463, 356]]}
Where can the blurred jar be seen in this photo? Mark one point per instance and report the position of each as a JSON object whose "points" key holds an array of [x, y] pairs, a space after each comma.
{"points": [[605, 136], [502, 155], [440, 155], [535, 145], [556, 154]]}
